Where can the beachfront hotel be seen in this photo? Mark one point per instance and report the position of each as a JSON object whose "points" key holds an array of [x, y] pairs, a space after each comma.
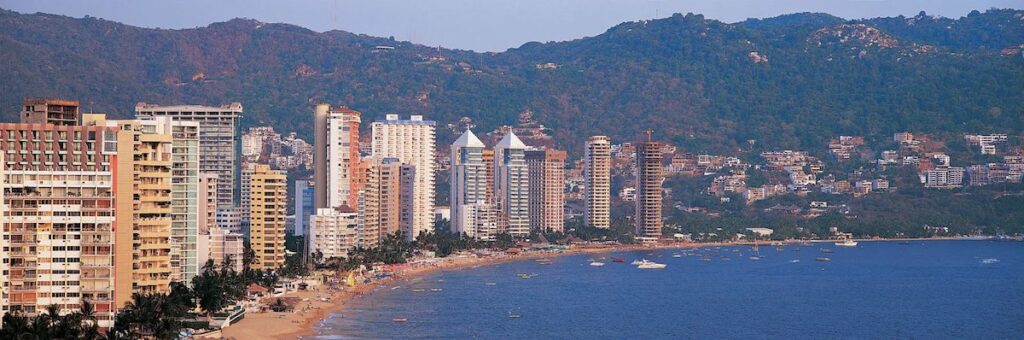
{"points": [[648, 190], [411, 141], [337, 172], [386, 200], [58, 221], [547, 189], [221, 245], [511, 188], [144, 214], [334, 231], [597, 162], [468, 182], [218, 140], [268, 190]]}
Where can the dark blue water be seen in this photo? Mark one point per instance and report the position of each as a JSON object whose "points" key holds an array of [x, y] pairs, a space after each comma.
{"points": [[925, 290]]}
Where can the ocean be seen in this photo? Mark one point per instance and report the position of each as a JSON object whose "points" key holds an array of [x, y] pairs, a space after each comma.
{"points": [[924, 289]]}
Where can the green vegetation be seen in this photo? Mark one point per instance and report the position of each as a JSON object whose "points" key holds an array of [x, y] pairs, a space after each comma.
{"points": [[691, 79], [52, 325], [906, 212]]}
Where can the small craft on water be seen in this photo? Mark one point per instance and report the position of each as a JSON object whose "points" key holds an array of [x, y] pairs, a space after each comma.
{"points": [[399, 320], [826, 250], [823, 259], [618, 260], [651, 265], [847, 243], [596, 264]]}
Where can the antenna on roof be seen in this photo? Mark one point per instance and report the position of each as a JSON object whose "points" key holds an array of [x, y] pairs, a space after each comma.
{"points": [[649, 132]]}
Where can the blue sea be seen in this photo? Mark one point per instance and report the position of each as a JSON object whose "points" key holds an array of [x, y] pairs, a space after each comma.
{"points": [[921, 290]]}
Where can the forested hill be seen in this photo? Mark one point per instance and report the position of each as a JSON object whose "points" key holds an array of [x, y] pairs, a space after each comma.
{"points": [[791, 81]]}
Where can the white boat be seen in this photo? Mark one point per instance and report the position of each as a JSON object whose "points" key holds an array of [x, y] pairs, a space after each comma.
{"points": [[677, 255], [651, 265], [638, 262], [847, 243], [596, 264]]}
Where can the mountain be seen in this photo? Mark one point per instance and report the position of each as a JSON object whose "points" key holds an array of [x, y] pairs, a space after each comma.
{"points": [[786, 82]]}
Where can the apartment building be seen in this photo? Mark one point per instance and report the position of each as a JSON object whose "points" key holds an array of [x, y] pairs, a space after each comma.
{"points": [[218, 140], [468, 181], [597, 181], [411, 141], [58, 216], [338, 175], [268, 192], [511, 188], [648, 191], [148, 208], [334, 231], [546, 189]]}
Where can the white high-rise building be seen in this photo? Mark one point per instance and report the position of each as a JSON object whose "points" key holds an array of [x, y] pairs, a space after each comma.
{"points": [[411, 142], [218, 140], [597, 181], [468, 180], [511, 186], [337, 167], [334, 232], [185, 217], [480, 220]]}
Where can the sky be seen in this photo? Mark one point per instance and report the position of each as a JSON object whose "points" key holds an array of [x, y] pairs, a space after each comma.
{"points": [[479, 25]]}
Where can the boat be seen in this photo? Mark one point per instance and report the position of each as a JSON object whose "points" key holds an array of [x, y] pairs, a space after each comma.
{"points": [[491, 283], [706, 259], [847, 243], [823, 259], [637, 262], [794, 261], [596, 264], [755, 258], [513, 315], [618, 260], [677, 255], [399, 320], [436, 289], [826, 250], [989, 261], [651, 265]]}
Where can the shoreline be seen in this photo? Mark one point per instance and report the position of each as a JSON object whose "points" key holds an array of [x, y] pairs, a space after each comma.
{"points": [[302, 323]]}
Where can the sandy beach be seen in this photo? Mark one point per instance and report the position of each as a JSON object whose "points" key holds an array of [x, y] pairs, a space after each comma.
{"points": [[307, 313]]}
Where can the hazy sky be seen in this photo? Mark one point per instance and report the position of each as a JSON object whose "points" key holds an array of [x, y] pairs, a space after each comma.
{"points": [[476, 24]]}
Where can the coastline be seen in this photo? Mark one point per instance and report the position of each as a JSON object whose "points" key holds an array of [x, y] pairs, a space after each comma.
{"points": [[303, 321]]}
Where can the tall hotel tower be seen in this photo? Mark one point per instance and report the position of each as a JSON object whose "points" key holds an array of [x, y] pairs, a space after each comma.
{"points": [[547, 189], [337, 170], [218, 141], [52, 165], [511, 188], [411, 142], [469, 187], [597, 181], [648, 190], [268, 190]]}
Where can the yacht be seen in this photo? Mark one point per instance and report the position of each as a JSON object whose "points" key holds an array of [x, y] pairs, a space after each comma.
{"points": [[847, 243], [651, 265], [596, 264]]}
